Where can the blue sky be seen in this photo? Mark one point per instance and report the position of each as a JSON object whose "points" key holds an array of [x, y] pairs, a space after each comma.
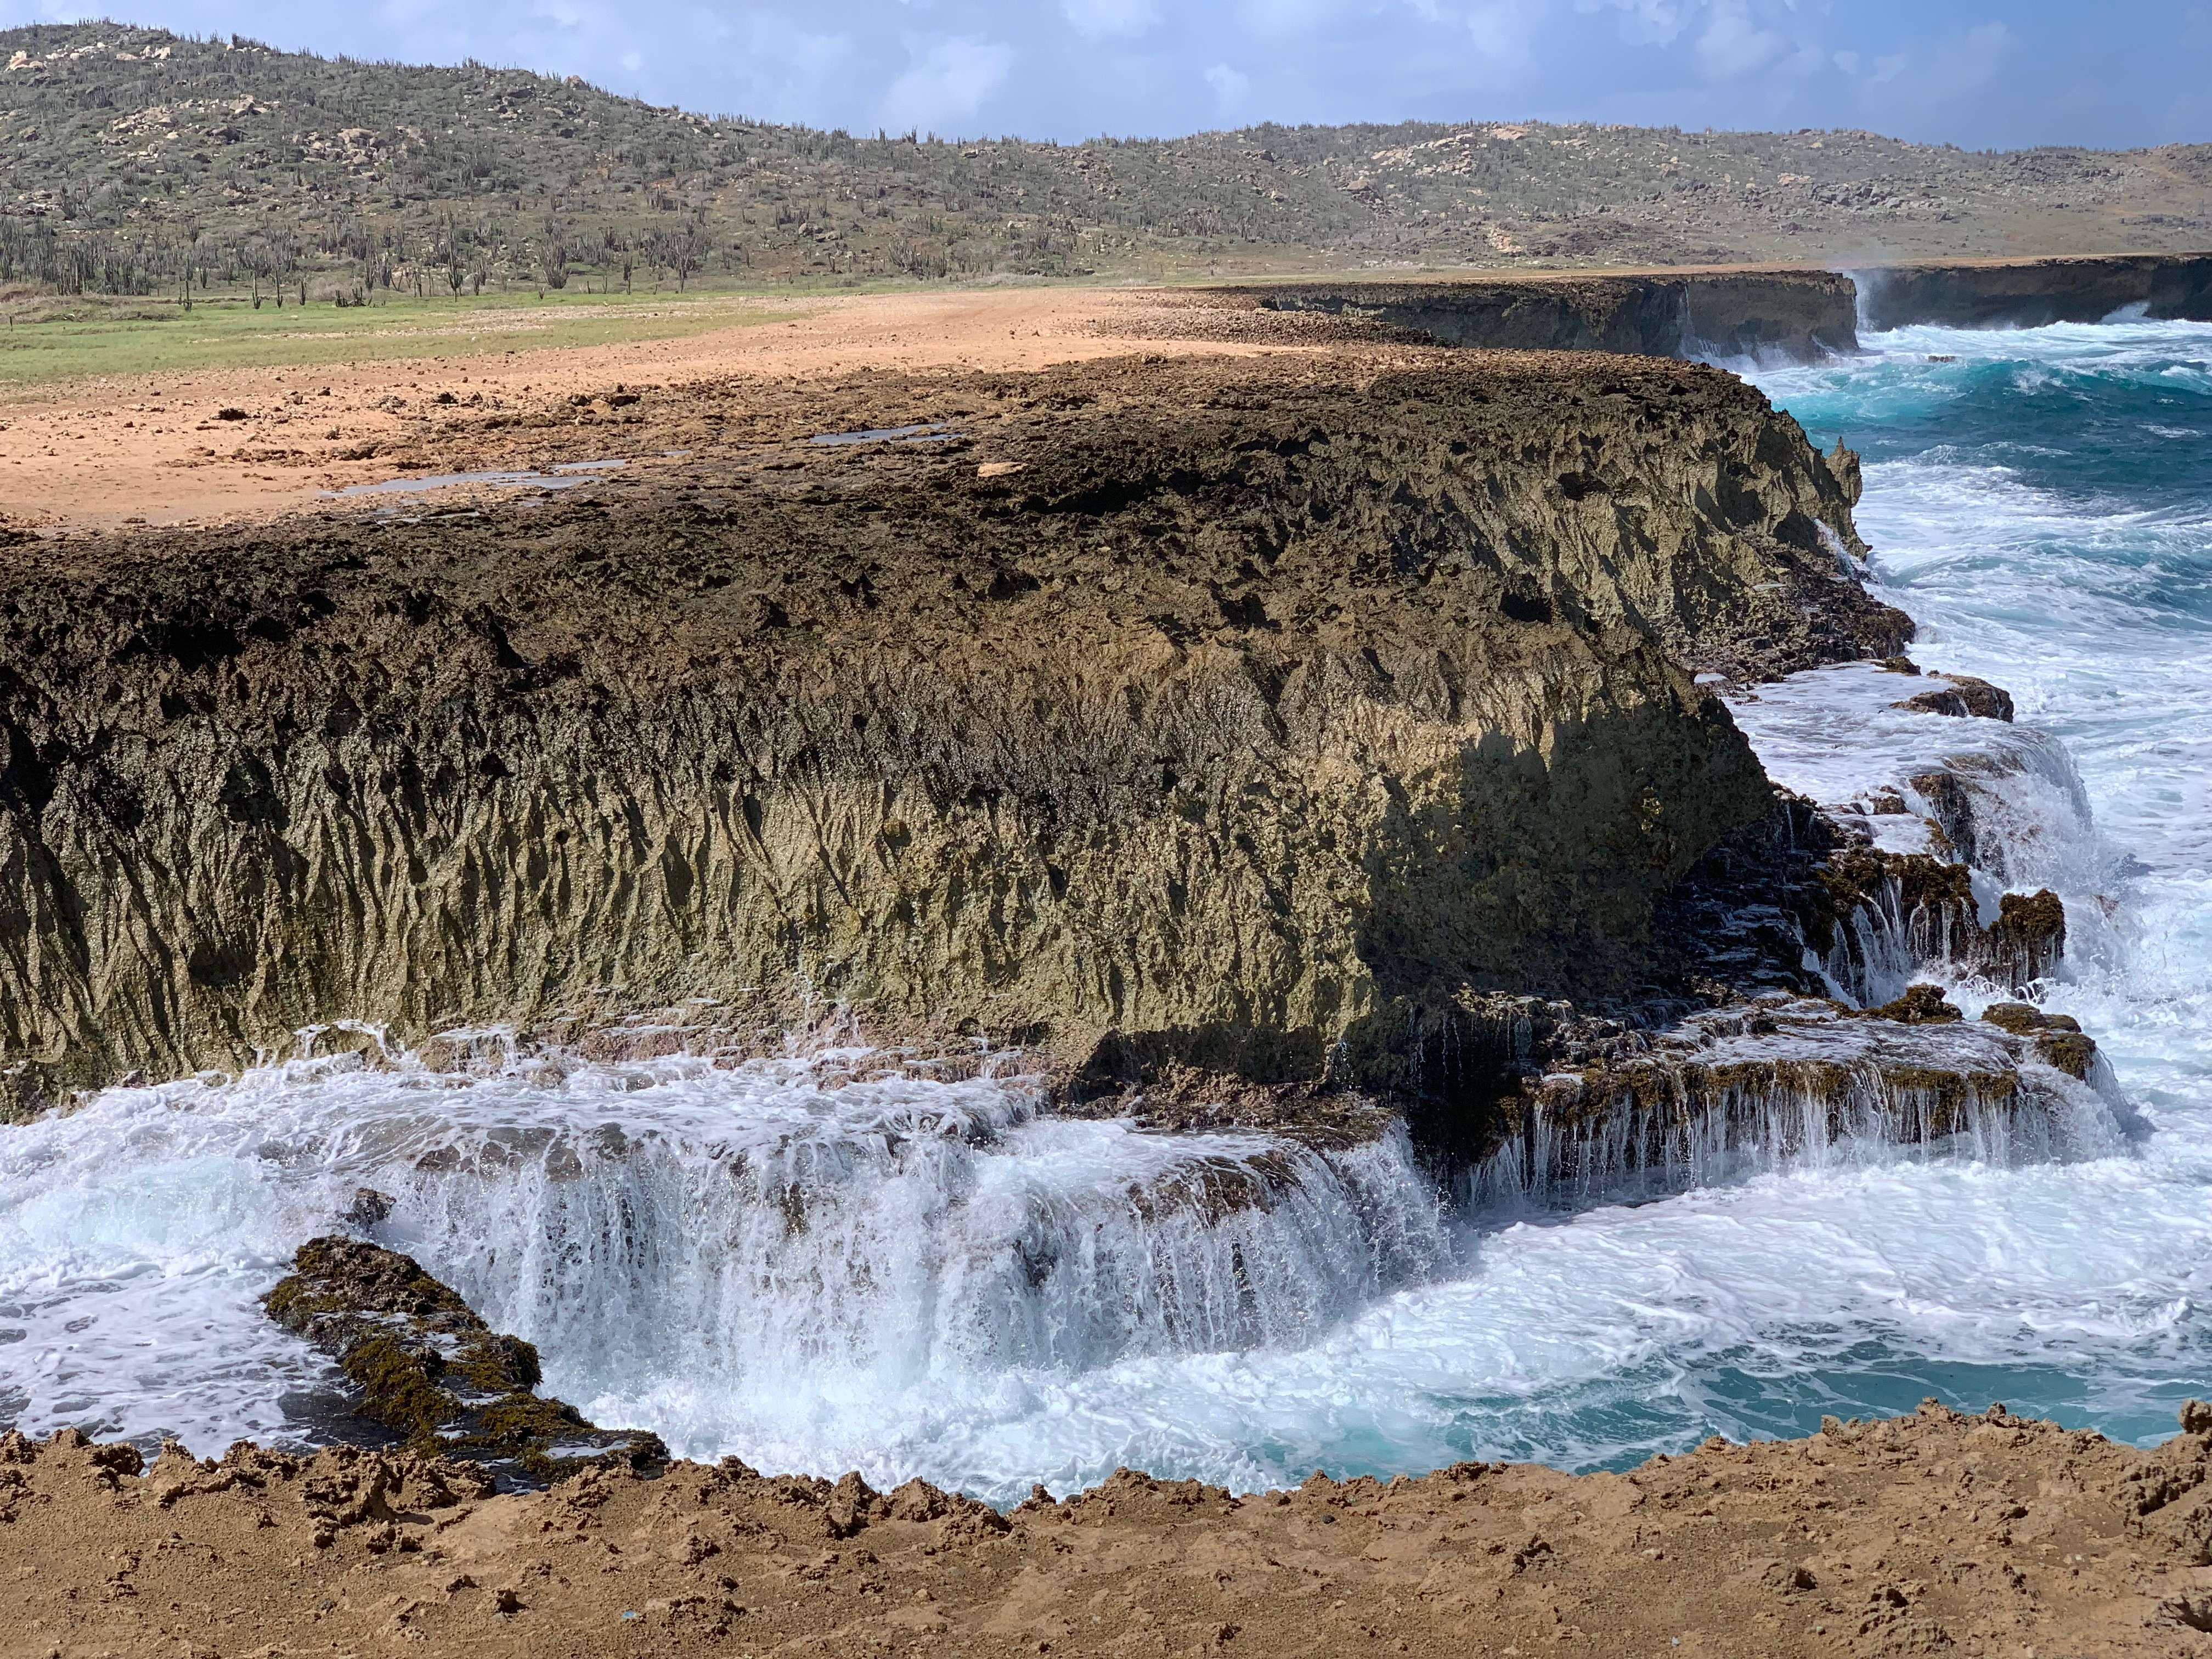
{"points": [[1980, 73]]}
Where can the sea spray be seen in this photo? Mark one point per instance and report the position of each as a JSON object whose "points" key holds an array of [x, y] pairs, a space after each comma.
{"points": [[769, 1226]]}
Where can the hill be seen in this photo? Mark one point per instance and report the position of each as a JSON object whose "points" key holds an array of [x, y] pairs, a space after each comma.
{"points": [[133, 159]]}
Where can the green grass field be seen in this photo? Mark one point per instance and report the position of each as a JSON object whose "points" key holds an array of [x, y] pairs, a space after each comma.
{"points": [[157, 336]]}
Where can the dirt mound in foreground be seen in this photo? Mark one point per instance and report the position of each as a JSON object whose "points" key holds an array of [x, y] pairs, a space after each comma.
{"points": [[1930, 1534]]}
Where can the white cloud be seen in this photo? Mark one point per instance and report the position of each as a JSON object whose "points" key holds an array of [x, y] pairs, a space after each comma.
{"points": [[1935, 77], [1099, 20], [778, 69], [1971, 59], [1733, 46], [1230, 87], [571, 14], [1642, 23], [1503, 35], [947, 82], [1848, 61]]}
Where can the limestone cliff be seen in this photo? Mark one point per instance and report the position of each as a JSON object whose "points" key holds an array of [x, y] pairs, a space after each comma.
{"points": [[1229, 711], [2031, 293], [1798, 314]]}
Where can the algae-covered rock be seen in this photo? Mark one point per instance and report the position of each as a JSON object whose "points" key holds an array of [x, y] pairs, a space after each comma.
{"points": [[1926, 906], [433, 1373], [2029, 935], [1919, 1005], [2058, 1038]]}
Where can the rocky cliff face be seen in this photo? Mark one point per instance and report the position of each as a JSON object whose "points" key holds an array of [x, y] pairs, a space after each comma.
{"points": [[2031, 293], [1798, 314], [1219, 714]]}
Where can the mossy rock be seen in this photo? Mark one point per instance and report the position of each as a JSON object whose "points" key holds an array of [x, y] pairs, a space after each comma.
{"points": [[431, 1370]]}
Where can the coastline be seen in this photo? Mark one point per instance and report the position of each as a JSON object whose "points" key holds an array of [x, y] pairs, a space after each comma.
{"points": [[2129, 1588]]}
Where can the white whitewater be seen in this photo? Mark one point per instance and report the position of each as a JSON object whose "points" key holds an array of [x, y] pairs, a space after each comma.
{"points": [[743, 1255], [917, 1275]]}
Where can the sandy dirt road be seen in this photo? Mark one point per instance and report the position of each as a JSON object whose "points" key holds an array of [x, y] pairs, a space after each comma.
{"points": [[157, 449]]}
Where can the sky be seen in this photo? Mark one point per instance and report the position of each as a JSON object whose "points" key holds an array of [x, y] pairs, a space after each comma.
{"points": [[1980, 73]]}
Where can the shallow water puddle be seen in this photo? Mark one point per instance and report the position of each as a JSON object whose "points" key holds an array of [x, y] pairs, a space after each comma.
{"points": [[566, 475]]}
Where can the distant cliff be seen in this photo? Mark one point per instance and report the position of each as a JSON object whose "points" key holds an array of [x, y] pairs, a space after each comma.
{"points": [[2034, 293], [1797, 314], [1214, 713]]}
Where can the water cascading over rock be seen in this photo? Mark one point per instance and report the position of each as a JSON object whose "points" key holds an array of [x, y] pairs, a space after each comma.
{"points": [[1782, 1082]]}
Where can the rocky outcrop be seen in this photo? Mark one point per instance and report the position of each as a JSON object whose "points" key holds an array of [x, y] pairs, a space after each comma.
{"points": [[2033, 292], [2059, 1043], [428, 1369], [1872, 911], [1783, 1079], [1224, 714], [1798, 315], [1962, 695]]}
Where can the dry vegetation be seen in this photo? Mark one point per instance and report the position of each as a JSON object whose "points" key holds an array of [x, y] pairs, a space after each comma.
{"points": [[136, 162]]}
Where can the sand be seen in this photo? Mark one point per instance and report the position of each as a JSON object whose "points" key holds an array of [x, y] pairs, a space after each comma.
{"points": [[154, 448], [1932, 1534]]}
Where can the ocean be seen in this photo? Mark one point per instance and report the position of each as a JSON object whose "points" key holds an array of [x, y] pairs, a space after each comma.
{"points": [[921, 1276]]}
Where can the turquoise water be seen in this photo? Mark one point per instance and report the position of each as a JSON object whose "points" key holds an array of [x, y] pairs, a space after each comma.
{"points": [[973, 1300]]}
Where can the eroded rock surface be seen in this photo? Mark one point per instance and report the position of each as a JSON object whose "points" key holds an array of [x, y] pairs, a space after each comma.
{"points": [[1766, 1082], [1872, 907], [1962, 695], [1229, 711]]}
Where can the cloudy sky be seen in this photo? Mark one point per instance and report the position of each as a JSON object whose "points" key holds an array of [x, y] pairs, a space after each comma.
{"points": [[1974, 72]]}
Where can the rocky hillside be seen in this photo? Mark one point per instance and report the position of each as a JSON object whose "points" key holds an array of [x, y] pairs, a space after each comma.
{"points": [[1213, 713], [132, 157]]}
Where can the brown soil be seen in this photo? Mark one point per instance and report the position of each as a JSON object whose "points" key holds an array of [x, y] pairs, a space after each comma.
{"points": [[1932, 1534]]}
